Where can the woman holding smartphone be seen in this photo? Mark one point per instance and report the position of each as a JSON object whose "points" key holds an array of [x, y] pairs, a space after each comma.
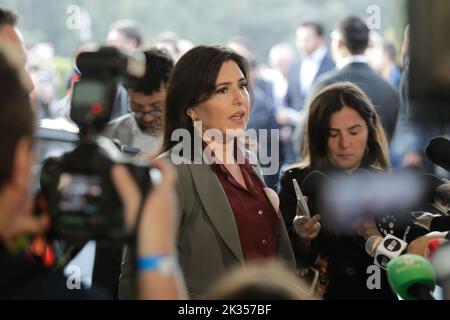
{"points": [[344, 134]]}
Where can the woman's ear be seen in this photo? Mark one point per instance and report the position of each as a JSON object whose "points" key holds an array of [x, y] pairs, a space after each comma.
{"points": [[190, 112]]}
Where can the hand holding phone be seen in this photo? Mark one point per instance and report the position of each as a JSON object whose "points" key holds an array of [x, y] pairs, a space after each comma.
{"points": [[306, 227]]}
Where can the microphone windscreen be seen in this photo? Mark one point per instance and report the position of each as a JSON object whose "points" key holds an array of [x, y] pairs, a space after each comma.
{"points": [[408, 270], [438, 152], [371, 244]]}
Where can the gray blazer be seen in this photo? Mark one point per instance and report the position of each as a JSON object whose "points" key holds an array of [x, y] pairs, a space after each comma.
{"points": [[208, 242]]}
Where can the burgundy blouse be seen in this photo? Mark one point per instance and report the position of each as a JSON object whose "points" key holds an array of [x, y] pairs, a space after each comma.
{"points": [[257, 221]]}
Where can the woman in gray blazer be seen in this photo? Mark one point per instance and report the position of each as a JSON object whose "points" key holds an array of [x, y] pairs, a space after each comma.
{"points": [[228, 217]]}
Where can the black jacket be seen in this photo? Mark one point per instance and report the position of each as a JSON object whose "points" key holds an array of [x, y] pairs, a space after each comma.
{"points": [[347, 258]]}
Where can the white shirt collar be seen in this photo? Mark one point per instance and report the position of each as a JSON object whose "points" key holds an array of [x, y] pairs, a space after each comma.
{"points": [[351, 59], [318, 54]]}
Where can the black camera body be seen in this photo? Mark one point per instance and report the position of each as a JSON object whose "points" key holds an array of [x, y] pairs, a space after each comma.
{"points": [[101, 72], [83, 202]]}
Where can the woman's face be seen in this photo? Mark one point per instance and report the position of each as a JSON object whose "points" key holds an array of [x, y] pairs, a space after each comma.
{"points": [[347, 139], [229, 107]]}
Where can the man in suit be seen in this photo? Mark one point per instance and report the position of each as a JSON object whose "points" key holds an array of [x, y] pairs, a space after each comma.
{"points": [[143, 127], [315, 60], [349, 42], [127, 36]]}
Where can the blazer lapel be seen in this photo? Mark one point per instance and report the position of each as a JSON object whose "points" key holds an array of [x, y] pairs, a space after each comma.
{"points": [[217, 207], [325, 65]]}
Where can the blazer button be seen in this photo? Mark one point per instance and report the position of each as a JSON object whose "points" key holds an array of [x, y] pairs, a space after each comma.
{"points": [[260, 212], [264, 242]]}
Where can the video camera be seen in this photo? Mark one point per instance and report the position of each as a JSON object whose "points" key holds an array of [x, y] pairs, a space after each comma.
{"points": [[82, 199]]}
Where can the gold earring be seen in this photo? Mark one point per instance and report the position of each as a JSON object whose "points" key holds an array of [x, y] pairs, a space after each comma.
{"points": [[191, 115]]}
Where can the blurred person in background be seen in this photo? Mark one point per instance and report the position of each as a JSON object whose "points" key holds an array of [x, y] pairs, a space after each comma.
{"points": [[74, 76], [391, 71], [184, 45], [46, 79], [168, 40], [315, 59], [126, 35], [142, 128], [382, 57], [45, 97], [350, 40], [281, 56], [12, 35], [265, 281], [172, 42]]}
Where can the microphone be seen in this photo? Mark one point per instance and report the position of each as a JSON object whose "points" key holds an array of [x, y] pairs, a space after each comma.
{"points": [[441, 224], [437, 195], [432, 246], [432, 183], [411, 277], [438, 152], [441, 264], [384, 249], [443, 191], [407, 230], [442, 198]]}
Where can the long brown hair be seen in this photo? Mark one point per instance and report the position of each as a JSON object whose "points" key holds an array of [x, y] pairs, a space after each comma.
{"points": [[330, 100]]}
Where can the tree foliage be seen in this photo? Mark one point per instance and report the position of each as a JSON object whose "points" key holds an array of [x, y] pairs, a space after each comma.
{"points": [[263, 22]]}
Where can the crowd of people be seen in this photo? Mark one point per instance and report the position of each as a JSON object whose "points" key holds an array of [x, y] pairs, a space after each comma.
{"points": [[215, 226]]}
